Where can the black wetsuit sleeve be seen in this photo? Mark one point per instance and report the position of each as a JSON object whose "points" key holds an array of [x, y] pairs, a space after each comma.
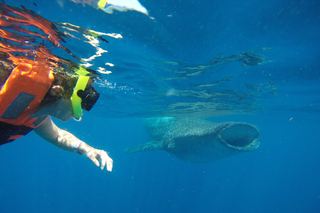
{"points": [[9, 130]]}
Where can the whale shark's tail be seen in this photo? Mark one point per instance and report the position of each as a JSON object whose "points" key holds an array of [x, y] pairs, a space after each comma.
{"points": [[153, 145]]}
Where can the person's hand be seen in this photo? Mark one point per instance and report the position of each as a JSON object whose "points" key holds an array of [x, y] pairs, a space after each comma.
{"points": [[97, 156]]}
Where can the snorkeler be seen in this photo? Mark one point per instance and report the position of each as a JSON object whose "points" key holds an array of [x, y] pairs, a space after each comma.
{"points": [[109, 5], [35, 84]]}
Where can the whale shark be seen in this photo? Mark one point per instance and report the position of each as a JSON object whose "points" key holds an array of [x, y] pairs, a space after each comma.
{"points": [[197, 140]]}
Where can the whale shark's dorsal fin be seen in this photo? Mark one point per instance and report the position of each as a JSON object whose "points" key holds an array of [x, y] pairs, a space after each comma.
{"points": [[153, 145]]}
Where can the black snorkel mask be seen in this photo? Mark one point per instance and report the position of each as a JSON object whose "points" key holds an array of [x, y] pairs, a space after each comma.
{"points": [[89, 97]]}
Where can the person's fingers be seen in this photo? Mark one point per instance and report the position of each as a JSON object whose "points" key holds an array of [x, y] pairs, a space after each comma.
{"points": [[103, 162], [109, 164], [94, 161]]}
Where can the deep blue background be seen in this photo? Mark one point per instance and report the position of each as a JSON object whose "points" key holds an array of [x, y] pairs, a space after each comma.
{"points": [[281, 176]]}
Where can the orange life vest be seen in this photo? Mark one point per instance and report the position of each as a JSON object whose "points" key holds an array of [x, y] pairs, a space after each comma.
{"points": [[19, 98]]}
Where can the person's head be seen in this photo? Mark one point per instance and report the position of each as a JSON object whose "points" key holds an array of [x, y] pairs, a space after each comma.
{"points": [[69, 94]]}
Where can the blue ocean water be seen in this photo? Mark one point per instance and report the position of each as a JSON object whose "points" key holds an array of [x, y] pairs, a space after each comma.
{"points": [[164, 67]]}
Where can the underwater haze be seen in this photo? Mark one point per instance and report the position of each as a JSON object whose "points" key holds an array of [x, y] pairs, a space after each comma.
{"points": [[221, 60]]}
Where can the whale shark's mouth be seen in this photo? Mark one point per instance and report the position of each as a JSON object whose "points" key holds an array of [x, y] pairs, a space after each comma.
{"points": [[241, 136]]}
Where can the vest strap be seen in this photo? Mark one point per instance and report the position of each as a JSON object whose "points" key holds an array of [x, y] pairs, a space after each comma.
{"points": [[18, 105]]}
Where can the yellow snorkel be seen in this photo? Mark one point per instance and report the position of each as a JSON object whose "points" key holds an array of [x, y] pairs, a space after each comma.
{"points": [[80, 85], [102, 4]]}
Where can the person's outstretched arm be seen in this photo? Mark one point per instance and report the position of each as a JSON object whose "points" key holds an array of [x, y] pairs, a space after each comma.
{"points": [[67, 141]]}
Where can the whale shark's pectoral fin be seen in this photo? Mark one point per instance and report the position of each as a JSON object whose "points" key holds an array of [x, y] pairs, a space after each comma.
{"points": [[153, 145]]}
